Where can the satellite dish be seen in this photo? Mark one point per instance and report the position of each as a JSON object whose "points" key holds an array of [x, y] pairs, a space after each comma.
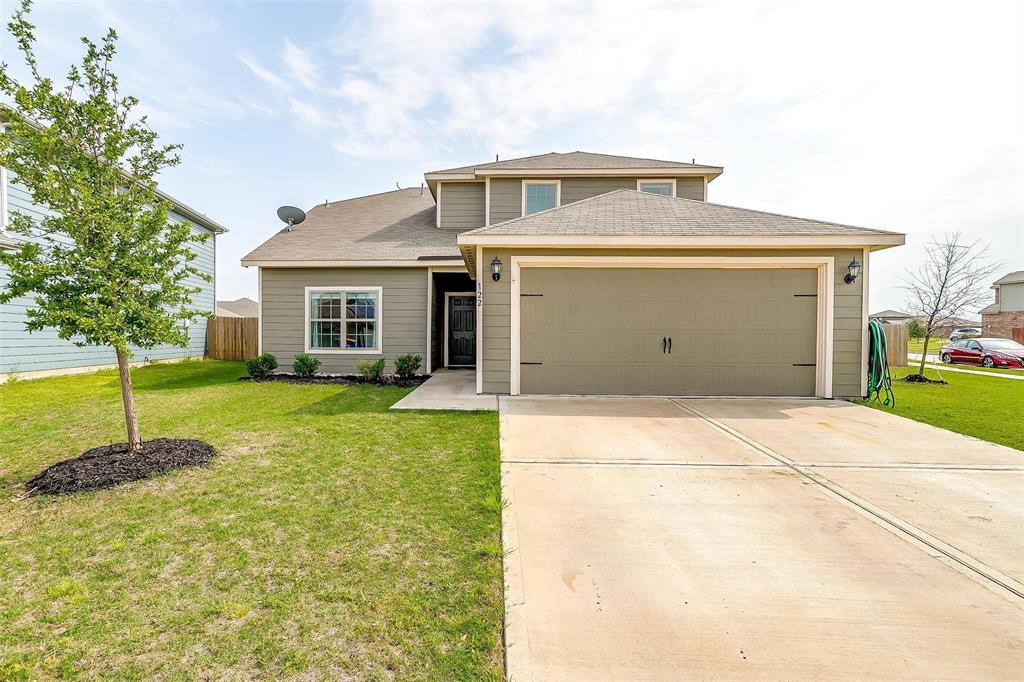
{"points": [[291, 216]]}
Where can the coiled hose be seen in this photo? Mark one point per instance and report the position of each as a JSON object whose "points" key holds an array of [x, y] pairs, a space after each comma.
{"points": [[879, 379]]}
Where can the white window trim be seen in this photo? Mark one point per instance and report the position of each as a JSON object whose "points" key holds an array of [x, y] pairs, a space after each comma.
{"points": [[3, 200], [447, 297], [825, 266], [558, 193], [379, 350], [659, 181]]}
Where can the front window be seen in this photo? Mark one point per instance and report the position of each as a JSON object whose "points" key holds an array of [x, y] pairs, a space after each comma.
{"points": [[344, 320], [666, 187], [539, 196]]}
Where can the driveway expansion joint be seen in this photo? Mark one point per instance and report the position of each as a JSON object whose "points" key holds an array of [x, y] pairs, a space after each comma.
{"points": [[974, 567]]}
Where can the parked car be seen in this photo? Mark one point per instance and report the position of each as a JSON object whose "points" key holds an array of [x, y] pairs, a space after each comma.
{"points": [[984, 352], [964, 333]]}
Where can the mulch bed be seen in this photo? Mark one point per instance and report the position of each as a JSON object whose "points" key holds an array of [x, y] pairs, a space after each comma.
{"points": [[109, 465], [919, 379], [348, 379]]}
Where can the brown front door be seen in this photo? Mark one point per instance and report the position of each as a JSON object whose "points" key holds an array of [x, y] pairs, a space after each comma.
{"points": [[462, 330]]}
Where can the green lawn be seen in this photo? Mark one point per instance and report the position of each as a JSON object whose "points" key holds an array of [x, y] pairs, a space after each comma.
{"points": [[984, 407], [329, 539]]}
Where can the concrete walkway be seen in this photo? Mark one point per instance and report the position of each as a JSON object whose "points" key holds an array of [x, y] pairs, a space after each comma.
{"points": [[656, 539], [448, 389], [935, 364]]}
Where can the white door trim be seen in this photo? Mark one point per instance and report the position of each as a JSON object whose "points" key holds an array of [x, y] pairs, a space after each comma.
{"points": [[447, 296], [430, 319], [479, 320], [825, 266]]}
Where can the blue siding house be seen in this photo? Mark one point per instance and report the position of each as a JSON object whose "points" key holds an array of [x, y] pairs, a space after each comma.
{"points": [[40, 353]]}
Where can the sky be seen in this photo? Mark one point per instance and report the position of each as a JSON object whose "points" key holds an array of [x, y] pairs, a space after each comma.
{"points": [[901, 116]]}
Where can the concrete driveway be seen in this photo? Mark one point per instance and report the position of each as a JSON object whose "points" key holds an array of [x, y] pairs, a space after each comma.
{"points": [[656, 539]]}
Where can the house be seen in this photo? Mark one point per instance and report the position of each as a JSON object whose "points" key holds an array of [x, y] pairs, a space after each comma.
{"points": [[1005, 317], [575, 273], [43, 353], [891, 317], [242, 307]]}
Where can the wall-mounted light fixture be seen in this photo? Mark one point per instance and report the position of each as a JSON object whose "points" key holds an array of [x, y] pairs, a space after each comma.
{"points": [[852, 271], [496, 269]]}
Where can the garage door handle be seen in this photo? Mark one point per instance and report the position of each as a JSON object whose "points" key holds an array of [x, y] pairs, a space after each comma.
{"points": [[664, 344], [670, 345]]}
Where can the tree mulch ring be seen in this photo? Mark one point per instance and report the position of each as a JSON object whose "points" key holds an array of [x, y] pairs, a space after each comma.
{"points": [[921, 379], [110, 465], [348, 379]]}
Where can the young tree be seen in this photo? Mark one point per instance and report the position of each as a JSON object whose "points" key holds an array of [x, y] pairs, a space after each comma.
{"points": [[954, 279], [106, 267], [916, 328]]}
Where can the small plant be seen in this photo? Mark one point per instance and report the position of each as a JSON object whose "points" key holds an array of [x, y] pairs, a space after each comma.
{"points": [[305, 365], [406, 365], [261, 365], [371, 370]]}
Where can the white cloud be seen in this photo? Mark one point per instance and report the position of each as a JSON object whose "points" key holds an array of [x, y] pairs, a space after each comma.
{"points": [[262, 73], [301, 66]]}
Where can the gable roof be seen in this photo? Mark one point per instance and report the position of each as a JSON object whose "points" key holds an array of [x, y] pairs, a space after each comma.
{"points": [[391, 226], [1012, 278], [242, 307], [627, 217], [891, 315]]}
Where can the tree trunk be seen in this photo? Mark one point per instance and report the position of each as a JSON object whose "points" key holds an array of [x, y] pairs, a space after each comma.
{"points": [[131, 419], [924, 354]]}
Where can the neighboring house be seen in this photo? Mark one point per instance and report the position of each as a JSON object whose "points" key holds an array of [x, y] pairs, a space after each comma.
{"points": [[891, 317], [242, 307], [574, 273], [1006, 315], [43, 352]]}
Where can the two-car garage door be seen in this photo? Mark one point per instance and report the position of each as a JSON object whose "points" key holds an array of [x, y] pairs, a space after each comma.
{"points": [[668, 331]]}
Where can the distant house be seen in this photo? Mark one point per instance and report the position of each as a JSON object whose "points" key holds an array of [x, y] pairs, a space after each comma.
{"points": [[891, 317], [242, 307], [43, 352], [1006, 314]]}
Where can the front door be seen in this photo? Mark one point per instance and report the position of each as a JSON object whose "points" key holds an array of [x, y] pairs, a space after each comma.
{"points": [[461, 341]]}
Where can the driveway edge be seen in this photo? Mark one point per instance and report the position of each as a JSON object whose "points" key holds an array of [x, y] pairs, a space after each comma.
{"points": [[517, 637]]}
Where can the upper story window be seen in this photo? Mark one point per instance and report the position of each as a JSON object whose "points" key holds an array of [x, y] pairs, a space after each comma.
{"points": [[343, 319], [540, 195], [666, 187]]}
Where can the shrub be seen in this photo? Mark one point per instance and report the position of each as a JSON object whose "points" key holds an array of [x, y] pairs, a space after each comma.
{"points": [[406, 365], [305, 365], [371, 370], [261, 365]]}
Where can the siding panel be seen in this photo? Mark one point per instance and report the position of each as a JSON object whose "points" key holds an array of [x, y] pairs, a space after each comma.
{"points": [[403, 306], [462, 205], [21, 351]]}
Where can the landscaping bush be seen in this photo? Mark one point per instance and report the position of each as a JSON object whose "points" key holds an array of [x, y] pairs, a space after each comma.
{"points": [[406, 365], [371, 370], [305, 365], [261, 365]]}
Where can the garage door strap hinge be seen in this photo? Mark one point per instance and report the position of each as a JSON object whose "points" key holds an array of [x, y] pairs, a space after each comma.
{"points": [[531, 363], [805, 364], [805, 295], [531, 294]]}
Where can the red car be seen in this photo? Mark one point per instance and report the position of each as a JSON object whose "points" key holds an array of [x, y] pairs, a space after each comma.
{"points": [[985, 352]]}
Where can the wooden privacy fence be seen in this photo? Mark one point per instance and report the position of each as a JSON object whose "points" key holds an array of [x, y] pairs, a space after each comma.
{"points": [[232, 338], [896, 339]]}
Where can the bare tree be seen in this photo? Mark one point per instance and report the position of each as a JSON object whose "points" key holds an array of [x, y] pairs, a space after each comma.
{"points": [[954, 279]]}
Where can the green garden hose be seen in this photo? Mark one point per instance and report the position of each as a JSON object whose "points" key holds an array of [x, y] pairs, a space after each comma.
{"points": [[879, 379]]}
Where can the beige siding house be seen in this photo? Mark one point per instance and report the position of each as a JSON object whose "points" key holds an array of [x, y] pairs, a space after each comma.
{"points": [[576, 273]]}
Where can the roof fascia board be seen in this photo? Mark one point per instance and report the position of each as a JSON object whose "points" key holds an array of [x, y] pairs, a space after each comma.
{"points": [[599, 172], [248, 262], [876, 242]]}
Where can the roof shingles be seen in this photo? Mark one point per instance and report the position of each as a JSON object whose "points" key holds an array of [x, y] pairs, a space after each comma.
{"points": [[572, 161], [627, 212]]}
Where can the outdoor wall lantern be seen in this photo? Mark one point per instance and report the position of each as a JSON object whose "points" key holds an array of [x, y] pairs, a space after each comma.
{"points": [[495, 269], [852, 271]]}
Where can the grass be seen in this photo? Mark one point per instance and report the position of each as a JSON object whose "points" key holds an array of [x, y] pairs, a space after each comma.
{"points": [[986, 408], [329, 539]]}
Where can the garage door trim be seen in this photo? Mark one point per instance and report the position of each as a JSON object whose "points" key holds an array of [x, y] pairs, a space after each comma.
{"points": [[825, 266]]}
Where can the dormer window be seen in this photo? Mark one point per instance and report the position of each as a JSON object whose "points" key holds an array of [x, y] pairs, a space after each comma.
{"points": [[666, 187], [540, 195]]}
